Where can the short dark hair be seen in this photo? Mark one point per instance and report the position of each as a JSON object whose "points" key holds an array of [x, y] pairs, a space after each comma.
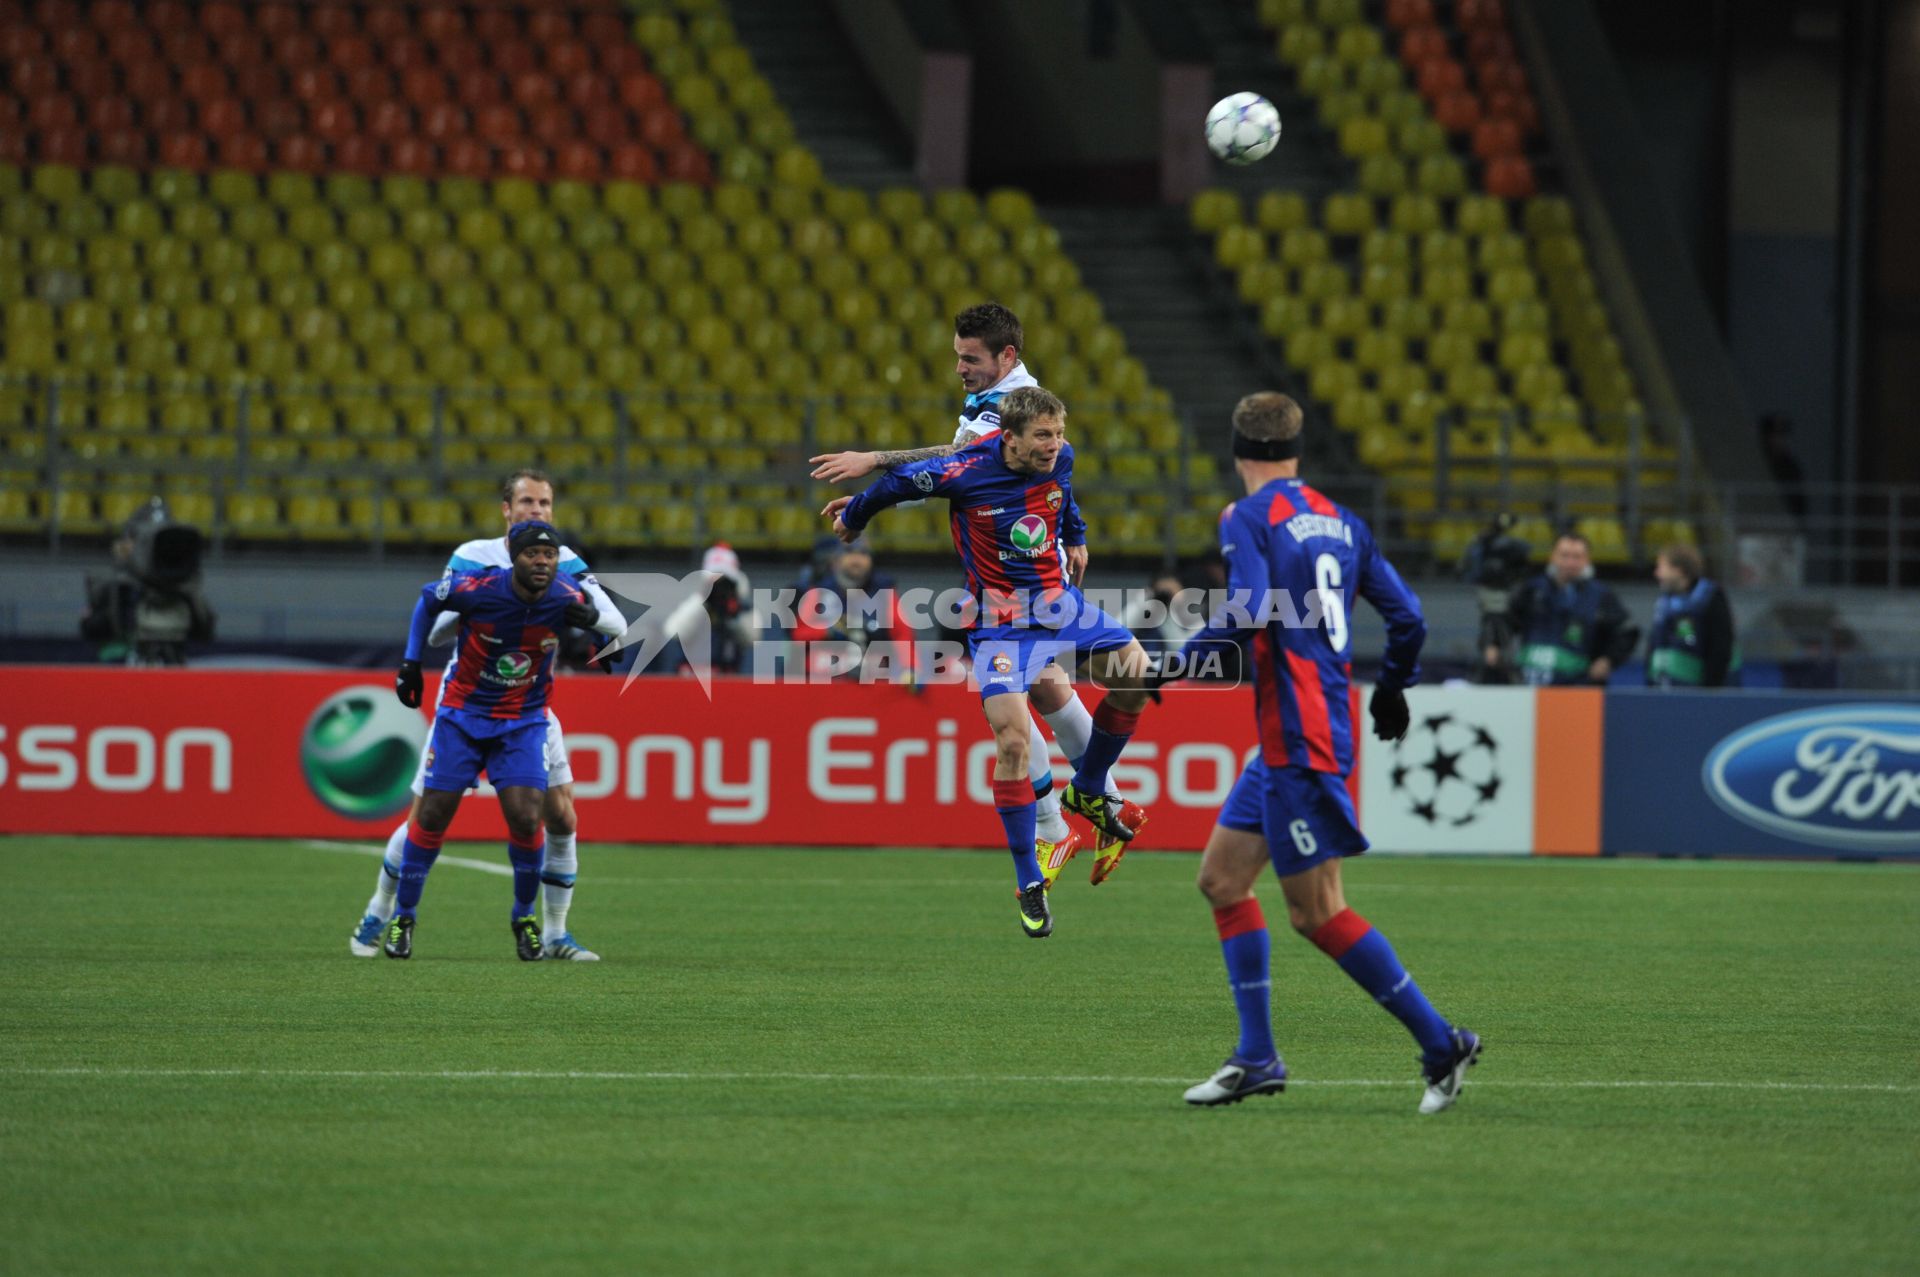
{"points": [[1018, 408], [1268, 416], [1686, 558], [995, 326], [512, 481], [1573, 534]]}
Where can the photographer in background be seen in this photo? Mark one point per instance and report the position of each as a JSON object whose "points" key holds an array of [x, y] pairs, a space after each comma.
{"points": [[1572, 630], [150, 606], [1493, 564], [1692, 642]]}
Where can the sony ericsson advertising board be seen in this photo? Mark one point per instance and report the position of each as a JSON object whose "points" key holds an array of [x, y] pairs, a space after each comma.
{"points": [[1711, 774]]}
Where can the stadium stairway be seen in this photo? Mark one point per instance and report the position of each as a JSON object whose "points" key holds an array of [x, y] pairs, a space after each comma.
{"points": [[837, 113]]}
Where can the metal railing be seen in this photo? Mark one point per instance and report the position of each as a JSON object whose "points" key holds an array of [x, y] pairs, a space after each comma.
{"points": [[613, 447]]}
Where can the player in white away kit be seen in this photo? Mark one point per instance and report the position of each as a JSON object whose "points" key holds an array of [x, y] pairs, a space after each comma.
{"points": [[987, 340], [527, 494]]}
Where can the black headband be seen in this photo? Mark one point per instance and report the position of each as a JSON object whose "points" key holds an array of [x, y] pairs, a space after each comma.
{"points": [[1265, 449], [531, 533]]}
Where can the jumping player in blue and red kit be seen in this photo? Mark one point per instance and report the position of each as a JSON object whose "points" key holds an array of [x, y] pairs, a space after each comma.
{"points": [[1287, 545], [492, 714], [1015, 524]]}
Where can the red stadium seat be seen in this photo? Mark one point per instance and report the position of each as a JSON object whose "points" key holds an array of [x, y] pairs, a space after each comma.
{"points": [[59, 13], [423, 85], [554, 123], [442, 21], [534, 88], [660, 128], [131, 45], [1495, 136], [641, 92], [549, 26], [23, 42], [222, 17], [632, 162], [1422, 44], [568, 57], [184, 150], [608, 125], [333, 120], [165, 114], [257, 80], [278, 18], [52, 111], [497, 123], [278, 117], [388, 120], [301, 153], [351, 52], [184, 46], [106, 115], [166, 15], [1440, 76], [477, 90], [372, 83], [585, 90], [526, 159], [460, 55], [411, 155], [316, 84], [469, 158], [1475, 15], [223, 117], [404, 52], [295, 49], [1489, 43], [387, 24], [688, 163], [77, 44], [1510, 177], [32, 77], [206, 81], [13, 146], [113, 15], [130, 147], [513, 60], [1518, 107], [1457, 112], [499, 27], [603, 30], [244, 151], [442, 121], [1402, 14], [1494, 76], [359, 154], [92, 79], [579, 162], [618, 61], [332, 21]]}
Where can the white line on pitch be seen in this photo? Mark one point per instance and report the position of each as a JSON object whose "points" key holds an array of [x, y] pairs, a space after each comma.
{"points": [[367, 849], [985, 1078]]}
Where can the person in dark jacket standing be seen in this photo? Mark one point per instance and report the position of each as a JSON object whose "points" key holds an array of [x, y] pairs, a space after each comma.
{"points": [[1571, 628], [1692, 642]]}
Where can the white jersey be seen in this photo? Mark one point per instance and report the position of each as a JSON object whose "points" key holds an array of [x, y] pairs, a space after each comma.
{"points": [[981, 414]]}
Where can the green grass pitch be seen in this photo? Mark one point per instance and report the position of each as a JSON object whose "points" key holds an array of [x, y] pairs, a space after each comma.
{"points": [[852, 1062]]}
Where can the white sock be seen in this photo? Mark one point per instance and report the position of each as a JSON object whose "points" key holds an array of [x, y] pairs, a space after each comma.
{"points": [[1049, 824], [1072, 726], [556, 882], [384, 891]]}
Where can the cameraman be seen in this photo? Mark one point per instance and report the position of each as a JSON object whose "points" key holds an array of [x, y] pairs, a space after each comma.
{"points": [[1493, 564], [150, 606]]}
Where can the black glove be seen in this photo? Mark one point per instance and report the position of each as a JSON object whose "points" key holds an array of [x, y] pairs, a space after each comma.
{"points": [[408, 685], [581, 615], [1391, 717]]}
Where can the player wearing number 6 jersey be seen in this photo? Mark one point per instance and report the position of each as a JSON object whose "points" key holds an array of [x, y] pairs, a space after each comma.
{"points": [[1293, 555]]}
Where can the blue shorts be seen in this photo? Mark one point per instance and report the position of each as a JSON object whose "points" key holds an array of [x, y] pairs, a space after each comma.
{"points": [[1008, 658], [1306, 816], [513, 751]]}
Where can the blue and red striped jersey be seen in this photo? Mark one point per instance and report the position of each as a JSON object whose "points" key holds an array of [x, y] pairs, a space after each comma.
{"points": [[1011, 529], [503, 666], [1295, 562]]}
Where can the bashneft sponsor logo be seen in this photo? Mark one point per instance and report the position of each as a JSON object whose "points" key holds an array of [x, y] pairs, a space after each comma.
{"points": [[1842, 777]]}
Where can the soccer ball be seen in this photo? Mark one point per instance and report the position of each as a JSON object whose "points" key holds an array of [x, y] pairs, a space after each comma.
{"points": [[1243, 128]]}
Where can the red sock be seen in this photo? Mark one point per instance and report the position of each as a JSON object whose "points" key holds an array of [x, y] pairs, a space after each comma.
{"points": [[1340, 933], [1238, 919]]}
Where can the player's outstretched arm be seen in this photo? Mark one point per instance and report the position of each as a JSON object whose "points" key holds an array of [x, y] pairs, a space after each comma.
{"points": [[838, 467]]}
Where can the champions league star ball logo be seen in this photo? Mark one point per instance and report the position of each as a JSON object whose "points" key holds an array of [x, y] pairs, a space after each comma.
{"points": [[1028, 534], [1447, 771], [359, 750]]}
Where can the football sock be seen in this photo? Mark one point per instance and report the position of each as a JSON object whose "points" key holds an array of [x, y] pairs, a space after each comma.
{"points": [[1072, 726], [420, 850], [526, 871], [556, 882], [1245, 945], [381, 906], [1364, 954], [1051, 824], [1112, 728], [1013, 799]]}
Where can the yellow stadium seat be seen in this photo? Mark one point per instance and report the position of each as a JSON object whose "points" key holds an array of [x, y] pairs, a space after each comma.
{"points": [[1300, 41], [1281, 211], [1548, 215], [1415, 214], [1468, 315], [1212, 210], [1302, 247], [1347, 213], [1441, 175]]}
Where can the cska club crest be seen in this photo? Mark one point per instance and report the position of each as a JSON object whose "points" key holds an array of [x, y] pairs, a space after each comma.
{"points": [[1053, 498]]}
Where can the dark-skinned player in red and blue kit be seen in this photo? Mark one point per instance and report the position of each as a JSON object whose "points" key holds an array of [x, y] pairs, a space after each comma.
{"points": [[492, 714], [1014, 520], [1295, 562]]}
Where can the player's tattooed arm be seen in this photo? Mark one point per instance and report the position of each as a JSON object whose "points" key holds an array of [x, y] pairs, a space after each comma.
{"points": [[838, 467]]}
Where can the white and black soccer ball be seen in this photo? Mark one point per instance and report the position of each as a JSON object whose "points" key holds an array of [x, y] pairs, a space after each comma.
{"points": [[1242, 128]]}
